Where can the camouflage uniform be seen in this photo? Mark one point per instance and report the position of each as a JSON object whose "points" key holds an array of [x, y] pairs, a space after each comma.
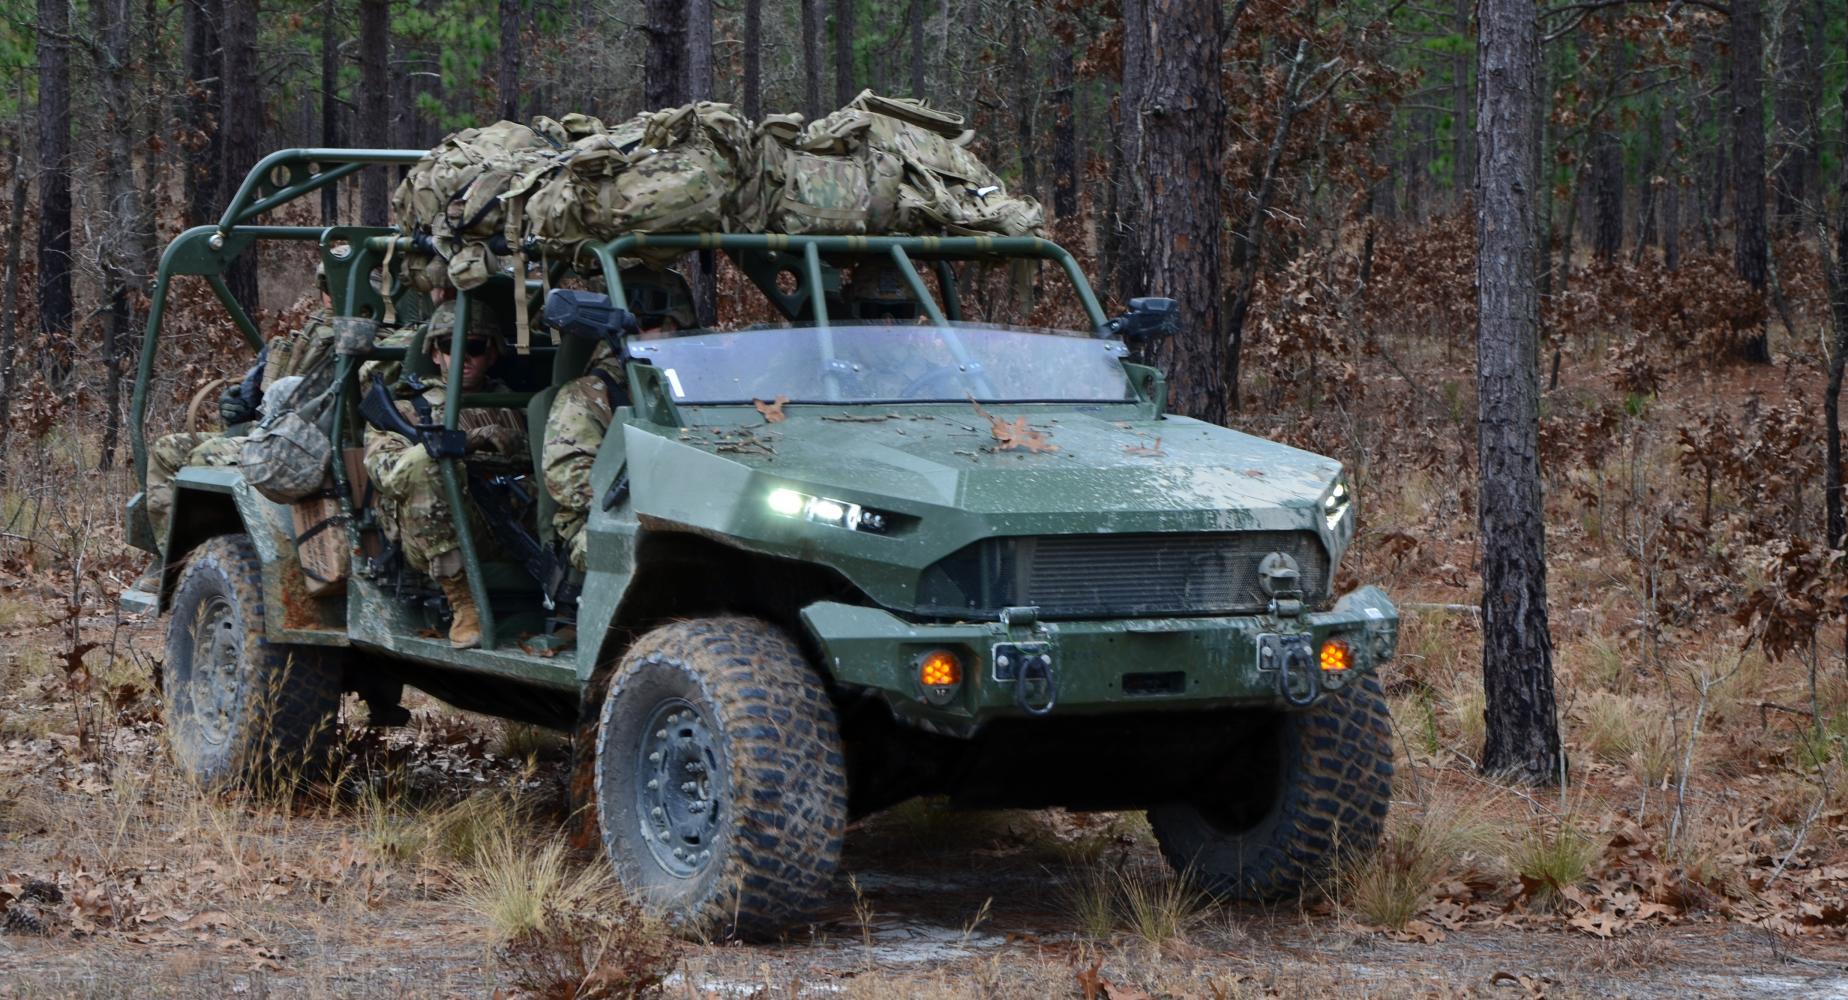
{"points": [[581, 414], [413, 503], [574, 432], [290, 354]]}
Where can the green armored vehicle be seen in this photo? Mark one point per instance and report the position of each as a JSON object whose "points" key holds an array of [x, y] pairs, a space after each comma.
{"points": [[837, 562]]}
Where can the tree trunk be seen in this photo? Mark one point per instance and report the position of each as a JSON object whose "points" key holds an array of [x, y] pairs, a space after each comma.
{"points": [[665, 85], [1522, 727], [812, 29], [243, 129], [699, 51], [1671, 191], [122, 251], [1607, 179], [917, 49], [702, 272], [1462, 135], [1064, 134], [508, 74], [54, 157], [1025, 101], [203, 108], [9, 289], [1123, 247], [753, 59], [1796, 104], [1837, 520], [845, 87], [330, 102], [374, 106], [1182, 117], [1748, 143]]}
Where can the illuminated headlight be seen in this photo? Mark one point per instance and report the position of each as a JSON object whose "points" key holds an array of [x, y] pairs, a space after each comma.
{"points": [[821, 510], [1337, 504]]}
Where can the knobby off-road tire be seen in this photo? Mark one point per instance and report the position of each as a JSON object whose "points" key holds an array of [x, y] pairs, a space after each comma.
{"points": [[735, 730], [241, 710], [1322, 797]]}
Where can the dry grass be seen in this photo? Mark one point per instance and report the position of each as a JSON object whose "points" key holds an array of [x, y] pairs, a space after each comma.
{"points": [[1552, 857], [1452, 832], [1143, 897], [520, 887]]}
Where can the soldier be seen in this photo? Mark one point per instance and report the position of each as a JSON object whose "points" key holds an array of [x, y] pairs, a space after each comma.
{"points": [[581, 415], [300, 352], [413, 504]]}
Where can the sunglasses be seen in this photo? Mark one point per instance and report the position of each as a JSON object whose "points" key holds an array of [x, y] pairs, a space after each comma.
{"points": [[474, 348]]}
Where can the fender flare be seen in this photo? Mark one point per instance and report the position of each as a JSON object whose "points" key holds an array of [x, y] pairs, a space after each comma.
{"points": [[208, 502]]}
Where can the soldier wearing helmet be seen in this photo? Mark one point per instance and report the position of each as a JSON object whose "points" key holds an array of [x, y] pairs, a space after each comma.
{"points": [[413, 505], [580, 416], [305, 352]]}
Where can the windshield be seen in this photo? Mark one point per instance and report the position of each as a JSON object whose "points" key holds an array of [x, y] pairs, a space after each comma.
{"points": [[889, 364]]}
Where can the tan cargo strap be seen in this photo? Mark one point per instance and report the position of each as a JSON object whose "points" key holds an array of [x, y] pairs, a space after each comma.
{"points": [[391, 308], [836, 214], [522, 323], [192, 408]]}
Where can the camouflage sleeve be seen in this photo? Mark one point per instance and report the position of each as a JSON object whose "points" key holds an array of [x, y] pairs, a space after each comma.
{"points": [[573, 432]]}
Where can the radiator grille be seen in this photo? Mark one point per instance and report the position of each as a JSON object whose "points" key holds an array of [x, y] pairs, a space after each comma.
{"points": [[1076, 576]]}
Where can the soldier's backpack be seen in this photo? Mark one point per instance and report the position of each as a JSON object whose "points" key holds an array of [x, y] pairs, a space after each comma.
{"points": [[454, 193], [685, 169], [285, 455], [808, 187], [920, 174]]}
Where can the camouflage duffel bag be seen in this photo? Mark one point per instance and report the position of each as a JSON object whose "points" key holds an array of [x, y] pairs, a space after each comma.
{"points": [[455, 190], [818, 195], [286, 457], [686, 169]]}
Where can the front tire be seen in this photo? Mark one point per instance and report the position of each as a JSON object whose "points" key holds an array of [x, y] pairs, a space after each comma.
{"points": [[721, 790], [1270, 827], [240, 709]]}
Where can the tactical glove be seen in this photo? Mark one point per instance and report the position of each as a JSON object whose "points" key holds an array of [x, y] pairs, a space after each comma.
{"points": [[495, 438], [234, 408]]}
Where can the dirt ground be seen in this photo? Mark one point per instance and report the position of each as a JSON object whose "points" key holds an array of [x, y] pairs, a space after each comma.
{"points": [[145, 888]]}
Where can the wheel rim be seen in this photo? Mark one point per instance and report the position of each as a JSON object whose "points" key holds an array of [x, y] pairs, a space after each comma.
{"points": [[217, 655], [680, 789]]}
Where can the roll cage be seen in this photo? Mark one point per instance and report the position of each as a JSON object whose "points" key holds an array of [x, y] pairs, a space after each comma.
{"points": [[352, 253]]}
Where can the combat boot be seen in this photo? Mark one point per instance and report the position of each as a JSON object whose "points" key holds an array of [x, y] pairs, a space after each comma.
{"points": [[465, 626]]}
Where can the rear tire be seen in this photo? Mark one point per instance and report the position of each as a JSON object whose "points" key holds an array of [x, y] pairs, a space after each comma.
{"points": [[721, 790], [241, 710], [1321, 798]]}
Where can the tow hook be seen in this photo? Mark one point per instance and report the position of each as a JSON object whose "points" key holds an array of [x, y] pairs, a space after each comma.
{"points": [[1028, 664], [1292, 656]]}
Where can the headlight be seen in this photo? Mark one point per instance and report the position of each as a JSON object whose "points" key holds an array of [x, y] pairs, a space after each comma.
{"points": [[1337, 503], [821, 510]]}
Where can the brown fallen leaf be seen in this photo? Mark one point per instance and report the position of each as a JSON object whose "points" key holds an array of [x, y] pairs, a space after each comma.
{"points": [[1145, 450], [1090, 982], [773, 412], [1015, 436]]}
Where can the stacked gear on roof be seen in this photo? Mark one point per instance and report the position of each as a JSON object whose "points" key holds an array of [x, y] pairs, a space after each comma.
{"points": [[486, 198]]}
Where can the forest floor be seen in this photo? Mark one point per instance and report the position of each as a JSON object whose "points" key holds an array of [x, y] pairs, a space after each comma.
{"points": [[1701, 848]]}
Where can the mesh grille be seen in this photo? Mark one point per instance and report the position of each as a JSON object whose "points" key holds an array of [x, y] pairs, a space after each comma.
{"points": [[1161, 574]]}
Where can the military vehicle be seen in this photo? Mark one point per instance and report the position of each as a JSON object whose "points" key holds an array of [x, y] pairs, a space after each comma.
{"points": [[839, 561]]}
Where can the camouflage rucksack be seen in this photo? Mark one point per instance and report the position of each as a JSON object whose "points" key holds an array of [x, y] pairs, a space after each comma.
{"points": [[690, 168], [810, 186], [921, 176], [286, 456], [454, 193]]}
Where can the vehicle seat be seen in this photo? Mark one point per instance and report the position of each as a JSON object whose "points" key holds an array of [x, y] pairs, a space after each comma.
{"points": [[571, 361]]}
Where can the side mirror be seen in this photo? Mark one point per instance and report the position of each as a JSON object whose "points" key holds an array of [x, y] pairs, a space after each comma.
{"points": [[1148, 319], [586, 314]]}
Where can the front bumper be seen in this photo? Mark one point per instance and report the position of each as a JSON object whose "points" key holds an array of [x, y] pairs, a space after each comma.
{"points": [[1097, 667]]}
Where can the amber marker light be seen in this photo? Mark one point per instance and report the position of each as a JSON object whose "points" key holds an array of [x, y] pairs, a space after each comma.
{"points": [[1336, 656], [939, 668]]}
